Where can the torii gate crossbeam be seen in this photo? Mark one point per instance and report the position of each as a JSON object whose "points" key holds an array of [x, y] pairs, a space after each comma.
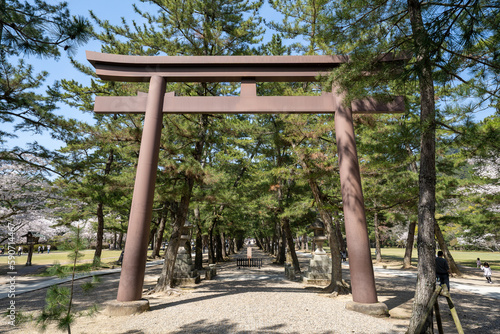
{"points": [[248, 70]]}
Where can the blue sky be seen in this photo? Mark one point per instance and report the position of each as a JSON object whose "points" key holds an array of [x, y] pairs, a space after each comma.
{"points": [[112, 10]]}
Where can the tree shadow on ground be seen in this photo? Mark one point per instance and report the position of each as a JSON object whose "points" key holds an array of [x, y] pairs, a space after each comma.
{"points": [[227, 326], [395, 290]]}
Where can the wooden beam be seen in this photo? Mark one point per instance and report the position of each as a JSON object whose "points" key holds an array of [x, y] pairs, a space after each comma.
{"points": [[217, 68], [247, 104]]}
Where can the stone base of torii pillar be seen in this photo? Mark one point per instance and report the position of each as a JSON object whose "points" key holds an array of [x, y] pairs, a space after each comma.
{"points": [[116, 308]]}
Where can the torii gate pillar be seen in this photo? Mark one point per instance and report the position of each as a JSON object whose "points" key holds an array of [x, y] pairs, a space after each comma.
{"points": [[364, 293], [136, 247]]}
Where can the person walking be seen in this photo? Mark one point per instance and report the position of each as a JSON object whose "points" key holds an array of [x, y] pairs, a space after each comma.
{"points": [[478, 263], [442, 270], [48, 249], [487, 272]]}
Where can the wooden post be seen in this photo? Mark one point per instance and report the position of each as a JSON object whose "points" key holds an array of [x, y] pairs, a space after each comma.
{"points": [[438, 317], [136, 246], [428, 311], [453, 310], [358, 244]]}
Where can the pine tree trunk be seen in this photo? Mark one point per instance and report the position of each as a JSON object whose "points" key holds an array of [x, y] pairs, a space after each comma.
{"points": [[426, 280], [409, 245], [378, 256], [442, 244], [230, 247], [259, 242], [120, 240], [159, 233], [198, 258], [336, 286], [218, 247], [152, 235], [100, 233], [236, 248], [273, 242], [281, 243], [205, 242], [166, 277], [166, 280], [339, 233], [223, 246], [291, 245], [211, 248], [100, 214]]}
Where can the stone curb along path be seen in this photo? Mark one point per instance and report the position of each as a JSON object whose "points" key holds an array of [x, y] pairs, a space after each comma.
{"points": [[24, 284]]}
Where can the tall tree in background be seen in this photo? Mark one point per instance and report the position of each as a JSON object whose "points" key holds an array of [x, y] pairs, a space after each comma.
{"points": [[389, 183], [33, 29], [449, 42], [305, 19]]}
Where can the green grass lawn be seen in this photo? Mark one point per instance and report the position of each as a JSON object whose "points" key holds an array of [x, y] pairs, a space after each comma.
{"points": [[464, 258], [62, 257], [108, 258]]}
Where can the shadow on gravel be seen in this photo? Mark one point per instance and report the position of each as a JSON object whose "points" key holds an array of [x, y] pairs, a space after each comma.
{"points": [[477, 314], [396, 291], [226, 288], [227, 326]]}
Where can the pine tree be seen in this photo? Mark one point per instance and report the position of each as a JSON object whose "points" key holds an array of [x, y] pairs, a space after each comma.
{"points": [[59, 300], [446, 41], [33, 29]]}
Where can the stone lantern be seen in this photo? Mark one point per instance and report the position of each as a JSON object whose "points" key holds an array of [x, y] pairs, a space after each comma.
{"points": [[185, 272], [31, 239], [318, 228], [185, 237], [320, 265]]}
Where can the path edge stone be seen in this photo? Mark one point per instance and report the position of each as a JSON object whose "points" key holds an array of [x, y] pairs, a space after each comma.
{"points": [[115, 308], [374, 309]]}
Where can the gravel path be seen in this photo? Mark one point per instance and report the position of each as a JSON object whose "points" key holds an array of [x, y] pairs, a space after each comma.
{"points": [[251, 300]]}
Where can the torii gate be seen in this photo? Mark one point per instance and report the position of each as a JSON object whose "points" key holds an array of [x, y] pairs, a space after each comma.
{"points": [[248, 70]]}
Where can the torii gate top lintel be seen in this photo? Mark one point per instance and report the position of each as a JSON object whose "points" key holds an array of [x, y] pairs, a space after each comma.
{"points": [[216, 68]]}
